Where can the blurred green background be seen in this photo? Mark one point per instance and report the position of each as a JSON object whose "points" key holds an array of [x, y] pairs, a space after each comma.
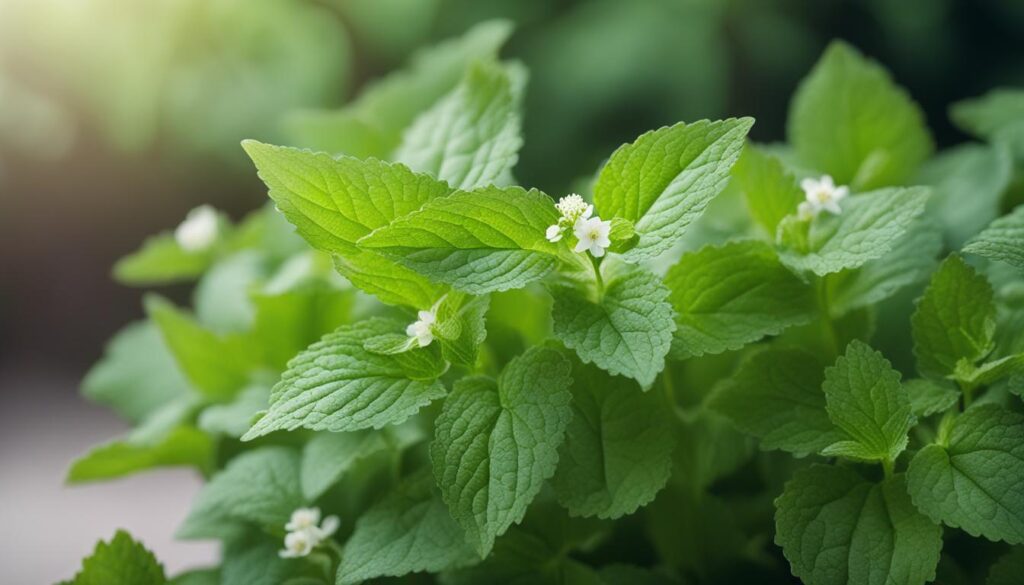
{"points": [[117, 116]]}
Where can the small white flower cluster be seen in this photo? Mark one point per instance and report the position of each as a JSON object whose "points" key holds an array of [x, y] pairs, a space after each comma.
{"points": [[821, 194], [306, 532], [422, 329], [591, 232], [199, 230]]}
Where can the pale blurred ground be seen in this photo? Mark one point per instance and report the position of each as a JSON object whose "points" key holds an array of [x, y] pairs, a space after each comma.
{"points": [[48, 526]]}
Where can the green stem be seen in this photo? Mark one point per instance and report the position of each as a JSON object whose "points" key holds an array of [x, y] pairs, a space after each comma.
{"points": [[597, 276], [827, 326], [888, 466]]}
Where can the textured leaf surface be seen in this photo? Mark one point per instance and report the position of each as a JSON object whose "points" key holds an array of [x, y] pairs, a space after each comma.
{"points": [[122, 561], [864, 398], [728, 296], [257, 487], [955, 319], [836, 528], [974, 482], [928, 397], [617, 453], [1002, 241], [497, 442], [470, 138], [870, 226], [409, 531], [336, 385], [849, 119], [776, 396], [628, 331], [480, 241], [664, 180], [327, 456]]}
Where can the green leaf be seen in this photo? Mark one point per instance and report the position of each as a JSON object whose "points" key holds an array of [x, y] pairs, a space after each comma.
{"points": [[870, 225], [161, 261], [836, 528], [336, 201], [373, 124], [218, 366], [181, 446], [258, 487], [327, 456], [864, 399], [1008, 569], [771, 192], [776, 396], [391, 283], [235, 418], [625, 330], [209, 576], [137, 374], [955, 319], [997, 116], [336, 385], [911, 260], [462, 328], [728, 296], [496, 442], [252, 559], [1002, 241], [973, 481], [222, 296], [617, 453], [408, 531], [471, 138], [968, 182], [928, 397], [490, 239], [849, 119], [665, 179], [122, 561]]}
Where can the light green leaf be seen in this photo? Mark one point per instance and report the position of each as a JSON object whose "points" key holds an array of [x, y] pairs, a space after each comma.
{"points": [[836, 528], [216, 365], [771, 192], [287, 322], [327, 456], [258, 487], [235, 418], [997, 116], [617, 453], [955, 319], [967, 182], [869, 227], [481, 241], [409, 531], [336, 385], [626, 329], [928, 397], [496, 442], [391, 283], [122, 561], [137, 374], [776, 396], [336, 201], [209, 576], [462, 327], [471, 138], [1002, 241], [373, 124], [911, 260], [849, 119], [181, 446], [728, 296], [252, 559], [161, 261], [665, 179], [865, 400], [222, 295], [973, 482], [990, 371]]}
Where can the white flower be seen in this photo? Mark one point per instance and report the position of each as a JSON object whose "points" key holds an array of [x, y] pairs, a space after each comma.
{"points": [[422, 328], [821, 194], [298, 544], [199, 230], [593, 236], [554, 233], [572, 207], [328, 527], [303, 519]]}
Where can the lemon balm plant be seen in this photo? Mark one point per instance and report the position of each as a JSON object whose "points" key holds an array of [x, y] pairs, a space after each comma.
{"points": [[445, 377]]}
